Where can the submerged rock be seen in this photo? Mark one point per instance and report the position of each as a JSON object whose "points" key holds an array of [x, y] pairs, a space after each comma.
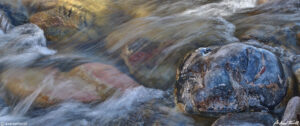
{"points": [[292, 111], [245, 119], [137, 106], [259, 2], [80, 21], [276, 23], [63, 63], [34, 6], [105, 76], [92, 82], [232, 78], [153, 54], [76, 21]]}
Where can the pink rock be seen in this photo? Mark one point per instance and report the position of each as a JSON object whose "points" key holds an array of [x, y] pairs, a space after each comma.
{"points": [[91, 82]]}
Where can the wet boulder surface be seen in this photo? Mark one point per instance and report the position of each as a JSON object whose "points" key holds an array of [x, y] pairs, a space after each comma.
{"points": [[232, 78]]}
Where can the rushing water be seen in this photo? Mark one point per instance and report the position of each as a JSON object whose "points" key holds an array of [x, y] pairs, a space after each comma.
{"points": [[172, 28]]}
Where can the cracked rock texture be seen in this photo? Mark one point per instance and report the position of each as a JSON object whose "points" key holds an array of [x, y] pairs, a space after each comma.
{"points": [[231, 78]]}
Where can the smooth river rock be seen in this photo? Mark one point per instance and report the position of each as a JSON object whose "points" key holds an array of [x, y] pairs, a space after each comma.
{"points": [[231, 78], [91, 82]]}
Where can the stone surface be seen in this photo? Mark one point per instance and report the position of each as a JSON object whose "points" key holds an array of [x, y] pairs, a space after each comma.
{"points": [[105, 76], [292, 111], [34, 6], [259, 2], [231, 78], [245, 119], [92, 82]]}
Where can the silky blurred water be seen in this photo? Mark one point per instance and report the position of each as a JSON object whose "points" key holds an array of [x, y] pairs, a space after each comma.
{"points": [[172, 27]]}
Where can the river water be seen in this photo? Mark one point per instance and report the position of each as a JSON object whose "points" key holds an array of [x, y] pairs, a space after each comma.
{"points": [[182, 26]]}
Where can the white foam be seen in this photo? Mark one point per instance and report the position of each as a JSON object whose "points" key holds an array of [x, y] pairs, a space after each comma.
{"points": [[21, 45], [223, 8], [115, 109]]}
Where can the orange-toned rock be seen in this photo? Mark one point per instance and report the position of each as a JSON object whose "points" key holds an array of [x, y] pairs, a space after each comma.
{"points": [[262, 1], [92, 82], [104, 77], [82, 21], [75, 21], [34, 6]]}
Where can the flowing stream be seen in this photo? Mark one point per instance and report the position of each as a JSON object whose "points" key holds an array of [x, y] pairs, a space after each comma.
{"points": [[147, 45]]}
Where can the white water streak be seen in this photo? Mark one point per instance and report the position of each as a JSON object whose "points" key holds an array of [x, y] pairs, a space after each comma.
{"points": [[23, 106], [223, 8]]}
